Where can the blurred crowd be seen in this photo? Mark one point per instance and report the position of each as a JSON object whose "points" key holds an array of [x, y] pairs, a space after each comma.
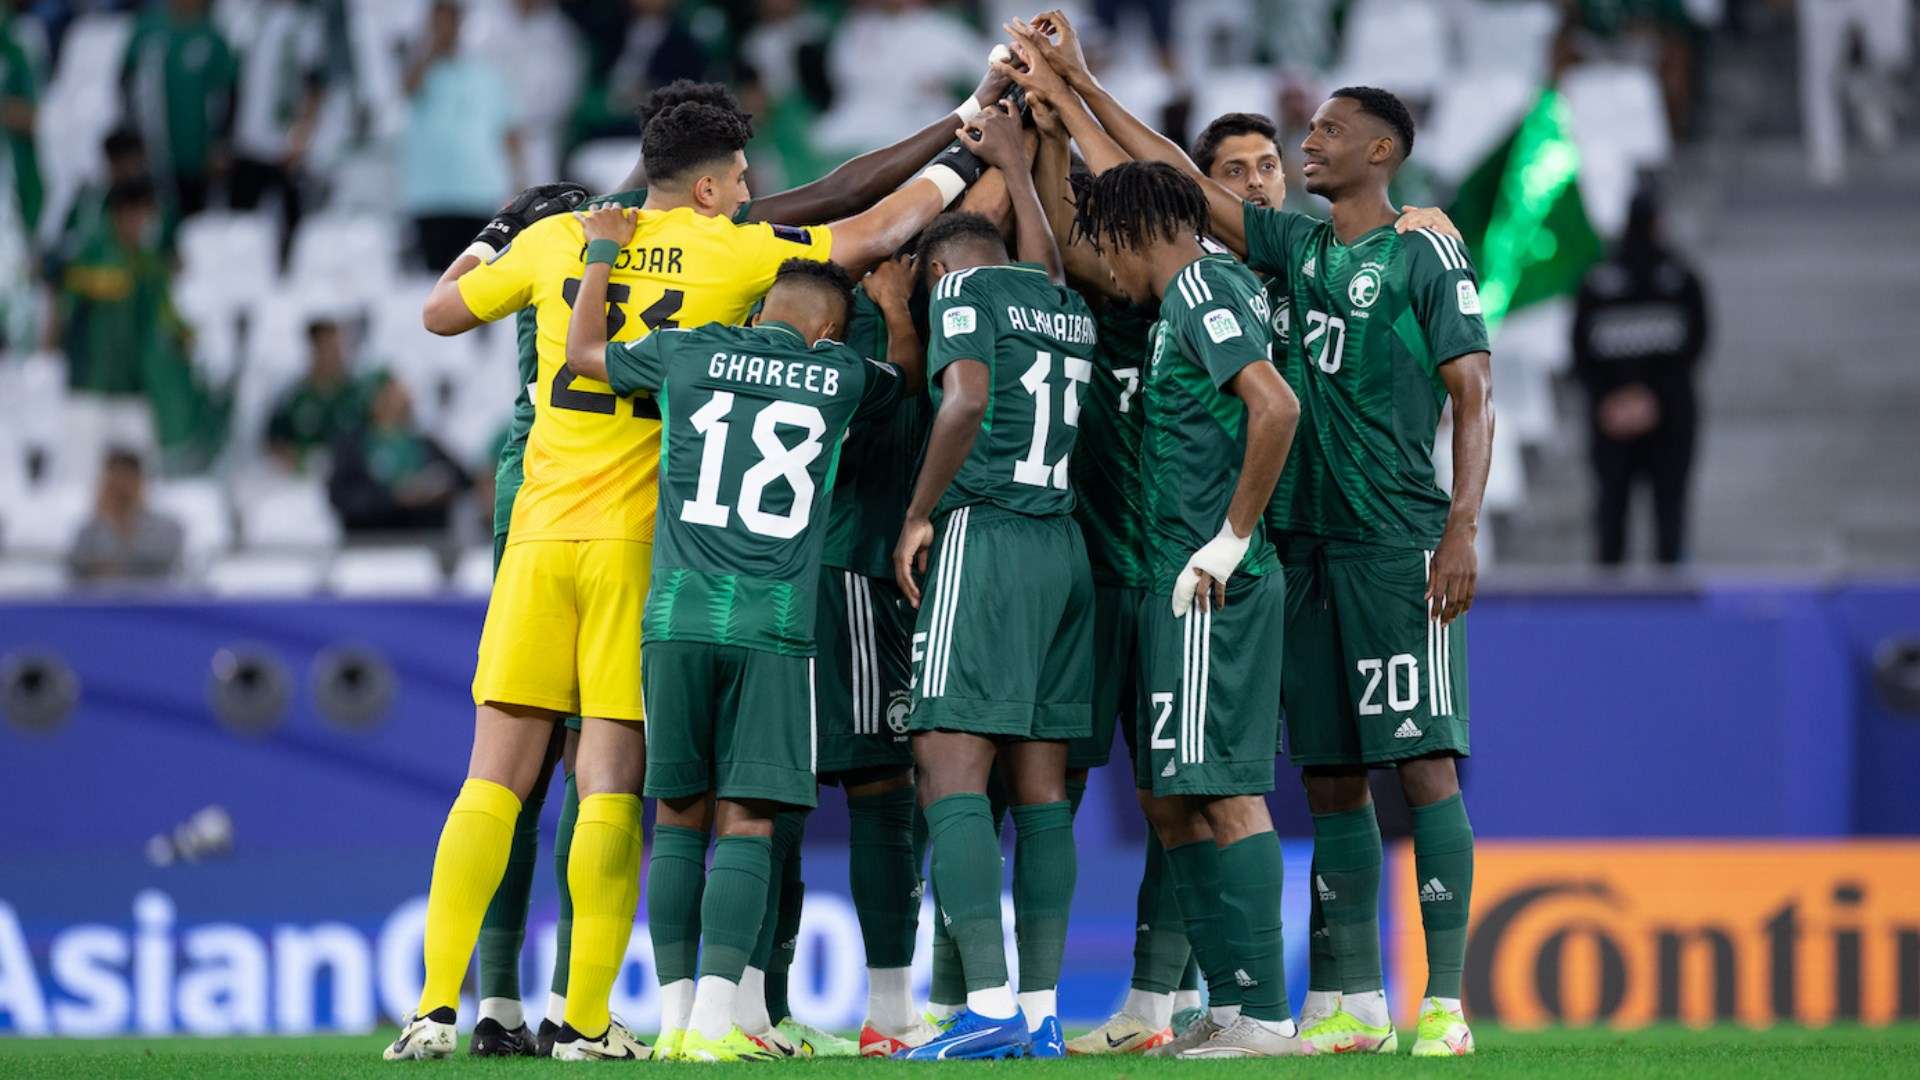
{"points": [[154, 148]]}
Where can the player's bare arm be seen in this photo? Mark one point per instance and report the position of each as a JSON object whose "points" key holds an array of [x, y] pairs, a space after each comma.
{"points": [[1051, 163], [875, 234], [995, 135], [859, 182], [890, 285], [965, 386], [1456, 567], [587, 328], [446, 312], [1272, 415], [1044, 86]]}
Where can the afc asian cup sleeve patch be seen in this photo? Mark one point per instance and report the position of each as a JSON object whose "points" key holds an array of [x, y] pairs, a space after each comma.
{"points": [[1469, 297], [794, 233], [1221, 325], [957, 321]]}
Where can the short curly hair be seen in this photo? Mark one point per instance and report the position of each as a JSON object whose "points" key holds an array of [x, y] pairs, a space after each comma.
{"points": [[1384, 106], [959, 227], [683, 138], [680, 91], [829, 278]]}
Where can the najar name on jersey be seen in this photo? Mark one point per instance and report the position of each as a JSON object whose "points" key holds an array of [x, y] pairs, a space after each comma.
{"points": [[646, 260], [1063, 326], [738, 367]]}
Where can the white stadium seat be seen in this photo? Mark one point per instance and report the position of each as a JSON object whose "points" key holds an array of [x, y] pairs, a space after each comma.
{"points": [[32, 577], [200, 506], [257, 574], [473, 574], [45, 520], [1397, 45], [289, 515], [240, 251], [386, 571], [603, 163]]}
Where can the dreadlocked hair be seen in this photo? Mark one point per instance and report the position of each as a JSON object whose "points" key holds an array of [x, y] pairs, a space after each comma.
{"points": [[1136, 204]]}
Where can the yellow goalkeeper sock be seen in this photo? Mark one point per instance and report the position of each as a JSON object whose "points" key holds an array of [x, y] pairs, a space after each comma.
{"points": [[603, 873], [466, 871]]}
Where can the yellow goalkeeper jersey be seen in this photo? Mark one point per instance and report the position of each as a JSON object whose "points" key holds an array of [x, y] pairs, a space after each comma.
{"points": [[593, 459]]}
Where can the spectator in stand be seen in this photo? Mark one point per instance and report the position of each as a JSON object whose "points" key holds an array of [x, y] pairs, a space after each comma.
{"points": [[282, 86], [658, 49], [460, 152], [126, 157], [893, 64], [19, 98], [1639, 329], [1856, 49], [177, 80], [113, 297], [389, 476], [327, 404], [125, 541], [544, 93]]}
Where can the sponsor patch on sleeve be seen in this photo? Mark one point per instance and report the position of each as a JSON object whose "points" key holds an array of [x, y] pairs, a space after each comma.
{"points": [[1221, 325], [1469, 297], [795, 233], [957, 321]]}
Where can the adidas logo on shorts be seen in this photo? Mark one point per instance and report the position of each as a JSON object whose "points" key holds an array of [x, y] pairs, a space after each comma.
{"points": [[1168, 771], [1406, 730]]}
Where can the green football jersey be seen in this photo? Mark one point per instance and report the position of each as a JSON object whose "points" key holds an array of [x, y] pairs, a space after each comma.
{"points": [[1037, 340], [1213, 323], [878, 463], [751, 422], [1373, 322], [1108, 498]]}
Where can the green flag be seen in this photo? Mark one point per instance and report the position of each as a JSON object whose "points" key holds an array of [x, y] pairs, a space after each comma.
{"points": [[1520, 211]]}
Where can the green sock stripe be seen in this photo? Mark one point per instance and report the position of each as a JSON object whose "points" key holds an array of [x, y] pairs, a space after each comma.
{"points": [[676, 886], [734, 904], [562, 846]]}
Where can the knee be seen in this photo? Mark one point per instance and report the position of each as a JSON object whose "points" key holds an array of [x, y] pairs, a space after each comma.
{"points": [[1173, 821], [749, 818], [1335, 792], [1426, 781], [693, 812], [1237, 817]]}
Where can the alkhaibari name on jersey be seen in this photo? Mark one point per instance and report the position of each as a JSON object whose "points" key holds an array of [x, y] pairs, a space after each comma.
{"points": [[1372, 323], [1037, 340], [591, 456], [1213, 323], [878, 465], [1109, 498], [753, 420]]}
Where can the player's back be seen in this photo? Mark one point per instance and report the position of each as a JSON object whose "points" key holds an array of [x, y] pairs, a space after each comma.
{"points": [[1036, 338], [591, 456], [753, 424], [879, 462], [1108, 498]]}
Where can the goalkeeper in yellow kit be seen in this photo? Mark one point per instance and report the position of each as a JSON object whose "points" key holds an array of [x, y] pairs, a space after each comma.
{"points": [[562, 633]]}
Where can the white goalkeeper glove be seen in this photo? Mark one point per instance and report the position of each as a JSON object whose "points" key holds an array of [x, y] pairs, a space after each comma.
{"points": [[1219, 557]]}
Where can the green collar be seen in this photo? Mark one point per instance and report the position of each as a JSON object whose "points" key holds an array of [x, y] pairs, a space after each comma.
{"points": [[775, 324]]}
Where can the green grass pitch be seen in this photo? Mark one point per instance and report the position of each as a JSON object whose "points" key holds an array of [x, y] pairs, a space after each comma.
{"points": [[1695, 1055]]}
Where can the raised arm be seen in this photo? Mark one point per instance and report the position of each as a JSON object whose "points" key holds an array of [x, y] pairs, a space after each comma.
{"points": [[1456, 567], [1051, 165], [446, 312], [1135, 137], [609, 229], [996, 136], [964, 387], [860, 182], [889, 286]]}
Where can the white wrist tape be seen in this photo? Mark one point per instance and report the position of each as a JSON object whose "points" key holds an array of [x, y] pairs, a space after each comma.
{"points": [[481, 250], [1218, 557], [969, 109], [950, 183]]}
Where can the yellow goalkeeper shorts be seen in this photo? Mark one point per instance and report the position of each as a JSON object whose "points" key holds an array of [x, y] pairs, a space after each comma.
{"points": [[563, 628]]}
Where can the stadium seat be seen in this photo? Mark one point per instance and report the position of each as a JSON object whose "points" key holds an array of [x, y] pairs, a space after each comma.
{"points": [[44, 520], [1620, 125], [200, 506], [1242, 89], [603, 163], [352, 256], [473, 573], [1512, 36], [239, 250], [1473, 112], [386, 571], [32, 577], [81, 104], [257, 574], [1398, 45], [289, 515]]}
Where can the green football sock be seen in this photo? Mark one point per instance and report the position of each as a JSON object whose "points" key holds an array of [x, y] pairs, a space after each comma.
{"points": [[1443, 860], [1044, 867], [946, 985], [783, 917], [504, 928], [1196, 880], [1250, 882], [1160, 952], [883, 876], [734, 904], [1323, 969], [1190, 977], [562, 844], [1346, 851], [966, 872], [676, 882], [1076, 793]]}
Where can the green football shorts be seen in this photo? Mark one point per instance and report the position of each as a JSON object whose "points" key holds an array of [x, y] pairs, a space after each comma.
{"points": [[1371, 680], [1116, 675], [737, 722], [861, 630], [1004, 641], [1211, 704]]}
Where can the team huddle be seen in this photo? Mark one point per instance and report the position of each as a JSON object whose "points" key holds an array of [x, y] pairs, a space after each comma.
{"points": [[1102, 440]]}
